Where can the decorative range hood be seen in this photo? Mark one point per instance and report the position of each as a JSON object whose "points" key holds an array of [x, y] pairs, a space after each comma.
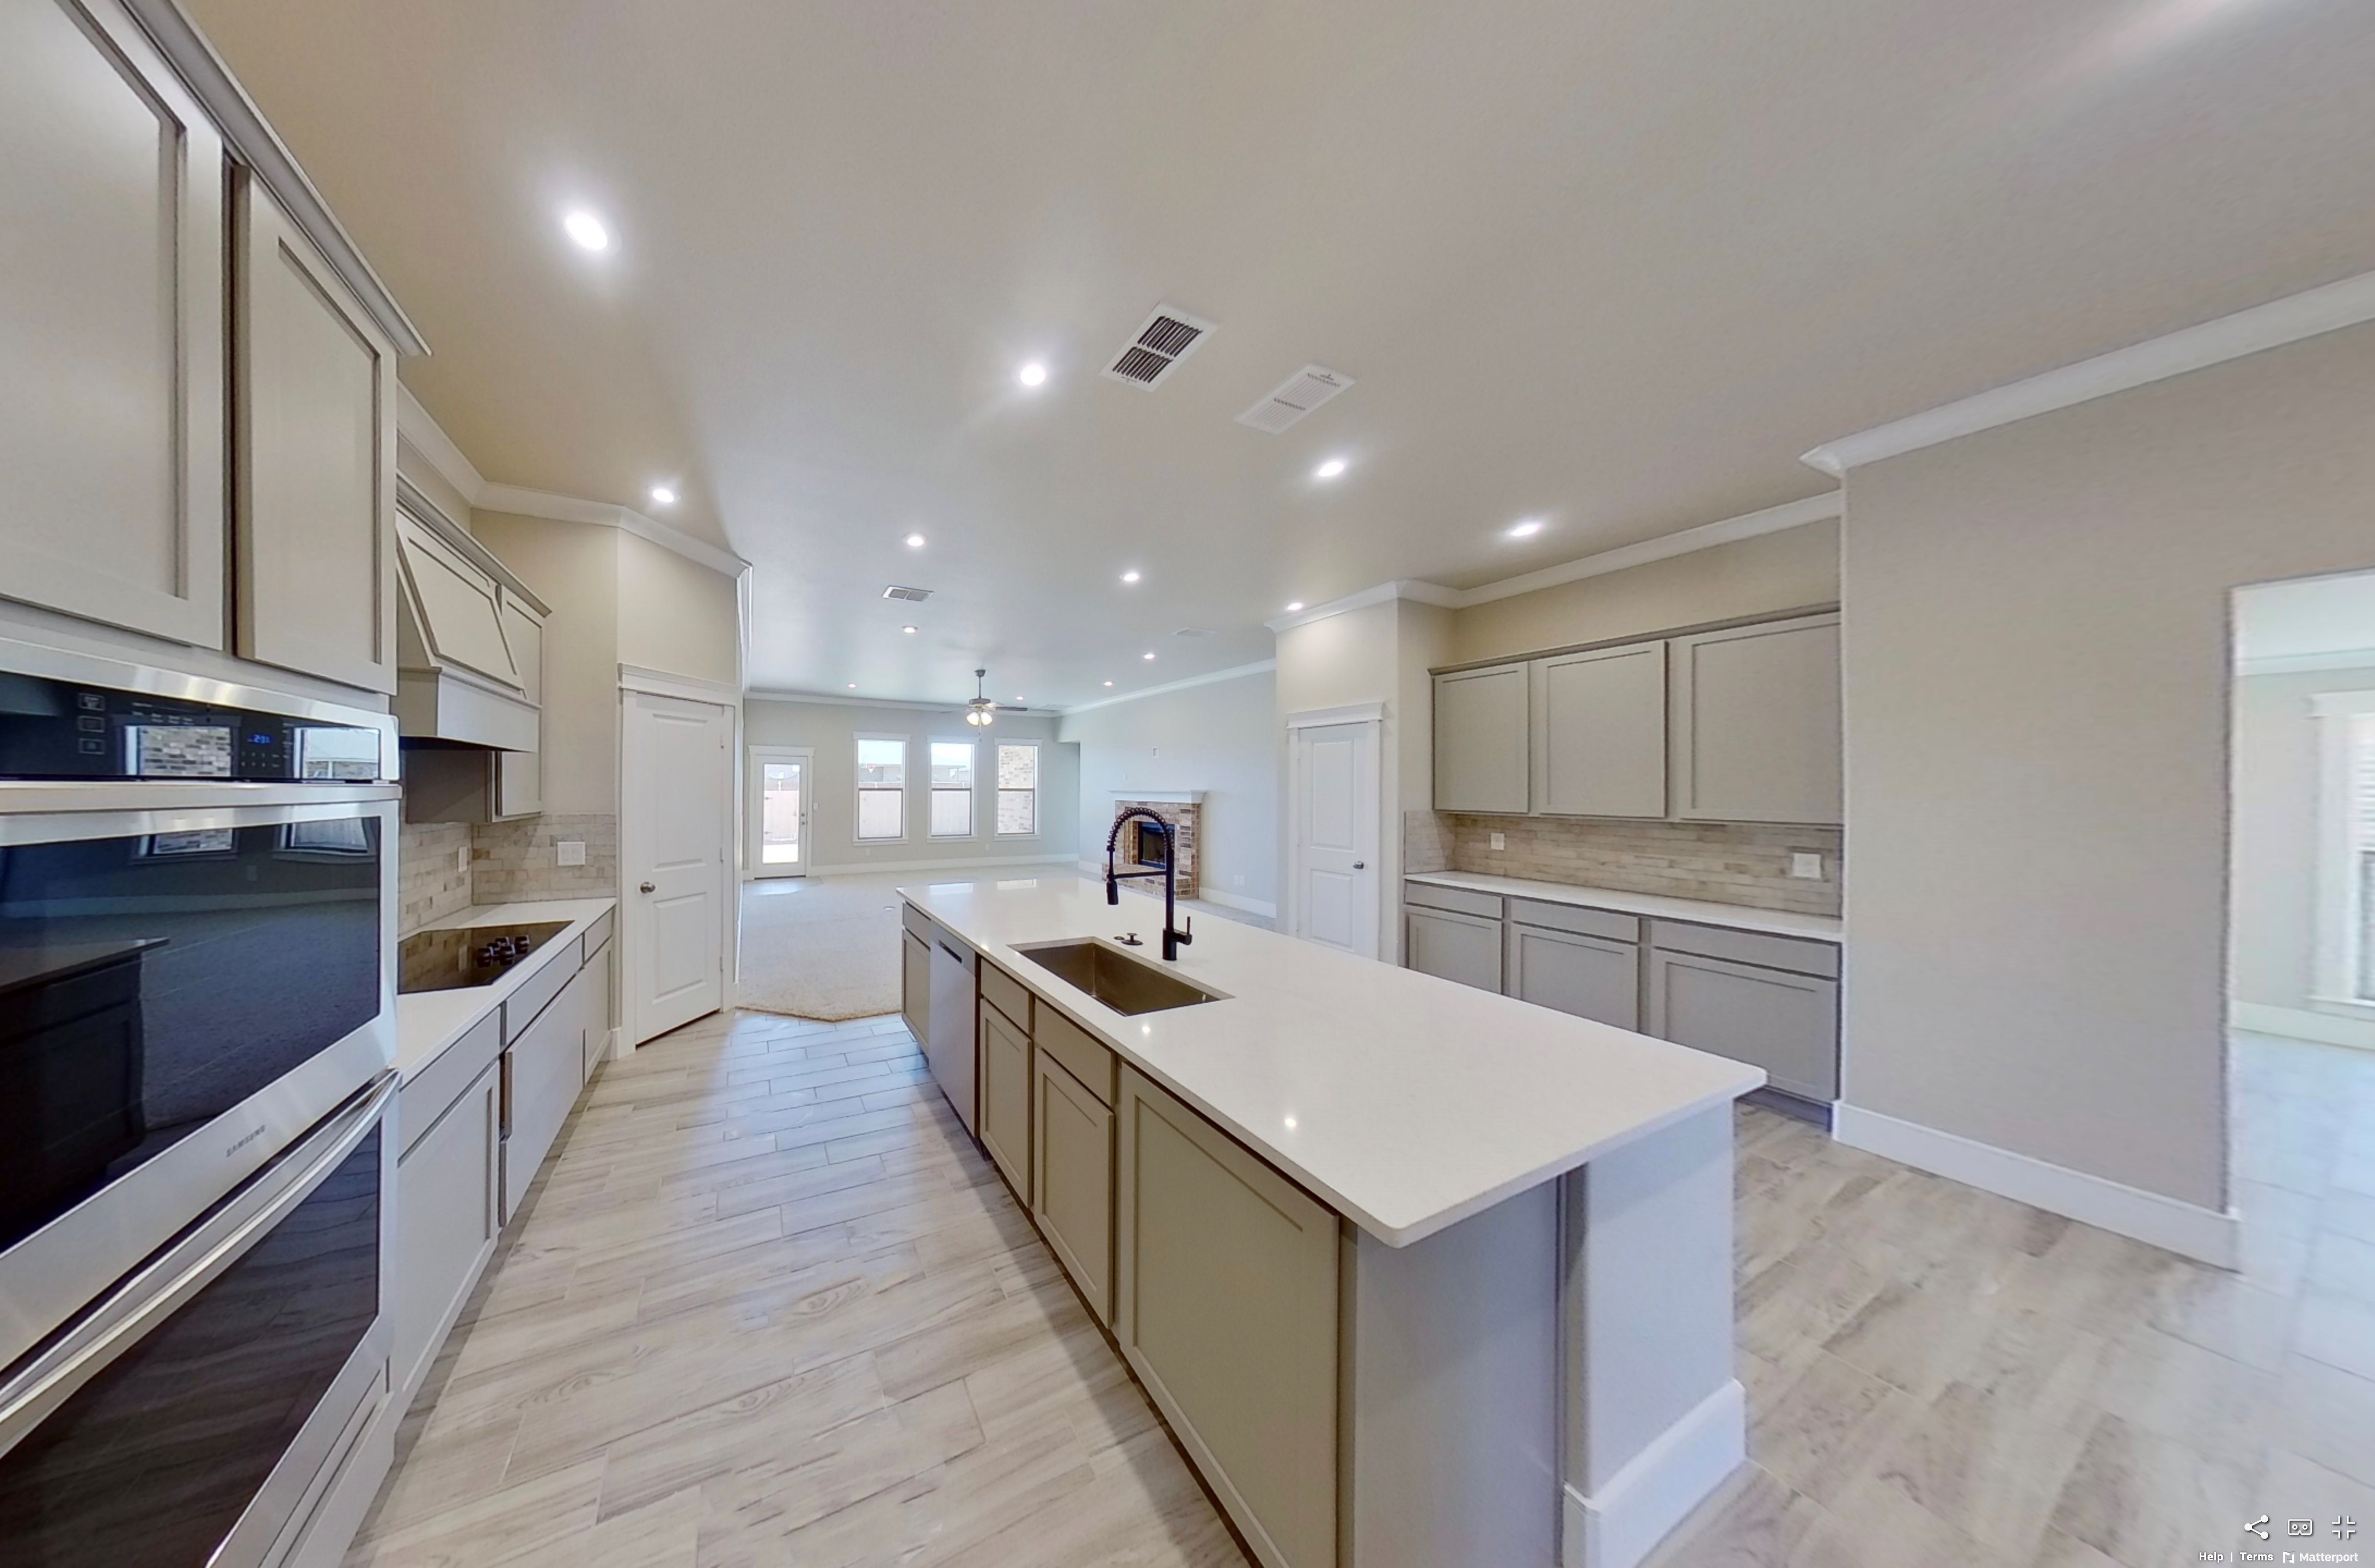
{"points": [[469, 637]]}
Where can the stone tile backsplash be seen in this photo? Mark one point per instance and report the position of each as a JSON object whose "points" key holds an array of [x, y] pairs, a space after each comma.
{"points": [[521, 859], [433, 878], [1742, 863]]}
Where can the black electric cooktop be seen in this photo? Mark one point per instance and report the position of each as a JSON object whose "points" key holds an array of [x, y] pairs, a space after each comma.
{"points": [[462, 956]]}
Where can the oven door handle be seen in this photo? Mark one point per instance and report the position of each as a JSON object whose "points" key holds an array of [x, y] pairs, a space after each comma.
{"points": [[126, 1313]]}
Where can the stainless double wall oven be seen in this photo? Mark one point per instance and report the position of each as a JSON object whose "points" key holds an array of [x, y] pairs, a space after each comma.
{"points": [[197, 1027]]}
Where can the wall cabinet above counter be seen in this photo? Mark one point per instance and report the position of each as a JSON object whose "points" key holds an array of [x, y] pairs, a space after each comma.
{"points": [[1733, 723]]}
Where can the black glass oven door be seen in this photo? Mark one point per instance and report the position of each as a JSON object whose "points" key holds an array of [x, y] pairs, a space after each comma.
{"points": [[188, 1418]]}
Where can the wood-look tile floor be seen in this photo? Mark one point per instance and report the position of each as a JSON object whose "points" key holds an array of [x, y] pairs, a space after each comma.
{"points": [[769, 1304]]}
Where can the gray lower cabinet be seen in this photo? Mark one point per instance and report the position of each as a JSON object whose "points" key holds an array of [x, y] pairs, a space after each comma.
{"points": [[1072, 1177], [448, 1187], [1593, 977], [915, 986], [543, 1069], [1005, 1083], [1788, 1024], [1225, 1306], [601, 999], [1451, 946]]}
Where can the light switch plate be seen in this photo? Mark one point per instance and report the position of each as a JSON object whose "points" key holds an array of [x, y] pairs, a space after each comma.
{"points": [[1806, 865], [462, 858], [1500, 841], [573, 851]]}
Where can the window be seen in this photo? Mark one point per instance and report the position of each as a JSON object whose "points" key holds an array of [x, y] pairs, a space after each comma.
{"points": [[882, 787], [952, 789], [1018, 788]]}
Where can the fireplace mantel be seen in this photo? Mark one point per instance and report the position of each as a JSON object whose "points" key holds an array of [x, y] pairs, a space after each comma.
{"points": [[1161, 797]]}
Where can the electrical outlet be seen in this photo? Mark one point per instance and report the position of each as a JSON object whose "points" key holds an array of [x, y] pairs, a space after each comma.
{"points": [[1237, 878], [1805, 865], [573, 851], [1500, 841]]}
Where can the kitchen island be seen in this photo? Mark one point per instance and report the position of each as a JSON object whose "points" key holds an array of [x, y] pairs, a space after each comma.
{"points": [[1418, 1275]]}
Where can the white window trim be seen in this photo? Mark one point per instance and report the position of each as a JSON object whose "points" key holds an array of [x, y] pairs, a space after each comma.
{"points": [[2339, 914], [906, 787], [1038, 790], [974, 817]]}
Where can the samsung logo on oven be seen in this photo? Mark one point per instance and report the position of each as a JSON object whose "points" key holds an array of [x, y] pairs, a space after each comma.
{"points": [[243, 1140]]}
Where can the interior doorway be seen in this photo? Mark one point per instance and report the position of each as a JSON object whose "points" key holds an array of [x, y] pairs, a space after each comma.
{"points": [[777, 799], [1333, 849], [675, 853]]}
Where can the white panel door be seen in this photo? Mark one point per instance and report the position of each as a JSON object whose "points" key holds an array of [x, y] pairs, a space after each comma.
{"points": [[775, 797], [676, 855], [112, 282], [1334, 853]]}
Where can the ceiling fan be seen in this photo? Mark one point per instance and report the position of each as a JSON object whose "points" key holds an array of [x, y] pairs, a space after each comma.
{"points": [[981, 711]]}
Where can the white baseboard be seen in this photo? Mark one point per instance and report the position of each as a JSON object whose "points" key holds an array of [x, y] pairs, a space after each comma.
{"points": [[1238, 901], [1644, 1500], [2184, 1228], [985, 863], [2299, 1023]]}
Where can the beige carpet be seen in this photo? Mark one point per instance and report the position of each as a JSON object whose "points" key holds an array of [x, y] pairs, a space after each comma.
{"points": [[821, 947]]}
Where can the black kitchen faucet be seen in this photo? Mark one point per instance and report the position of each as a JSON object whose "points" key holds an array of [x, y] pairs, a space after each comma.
{"points": [[1172, 941]]}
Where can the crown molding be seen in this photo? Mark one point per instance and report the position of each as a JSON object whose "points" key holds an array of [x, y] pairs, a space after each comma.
{"points": [[2308, 663], [602, 514], [2308, 314], [414, 424], [1235, 672], [1706, 536], [261, 149]]}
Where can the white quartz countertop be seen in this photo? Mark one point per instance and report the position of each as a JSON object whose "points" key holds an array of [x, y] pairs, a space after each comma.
{"points": [[428, 1021], [1703, 912], [1403, 1102]]}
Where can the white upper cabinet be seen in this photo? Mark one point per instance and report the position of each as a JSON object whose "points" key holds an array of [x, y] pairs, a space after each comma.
{"points": [[111, 326], [1599, 732], [316, 470], [1480, 740], [1757, 723], [460, 619]]}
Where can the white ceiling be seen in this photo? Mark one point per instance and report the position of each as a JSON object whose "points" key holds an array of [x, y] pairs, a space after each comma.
{"points": [[1613, 264], [2314, 617]]}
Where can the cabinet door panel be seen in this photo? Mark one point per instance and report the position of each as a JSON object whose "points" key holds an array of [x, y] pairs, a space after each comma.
{"points": [[111, 289], [447, 1219], [548, 1068], [601, 975], [1588, 976], [915, 987], [1226, 1292], [1599, 732], [1757, 723], [1465, 948], [1788, 1024], [1006, 1098], [317, 462], [1480, 740], [1072, 1148]]}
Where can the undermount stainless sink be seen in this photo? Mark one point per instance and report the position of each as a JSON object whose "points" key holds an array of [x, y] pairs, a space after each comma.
{"points": [[1124, 983]]}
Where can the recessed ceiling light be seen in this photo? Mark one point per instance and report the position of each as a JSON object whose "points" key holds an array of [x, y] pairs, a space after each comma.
{"points": [[853, 686], [915, 541], [1031, 374], [587, 230], [908, 629], [1108, 683], [1331, 468], [1146, 655], [1526, 529], [662, 495], [1130, 576], [1293, 607]]}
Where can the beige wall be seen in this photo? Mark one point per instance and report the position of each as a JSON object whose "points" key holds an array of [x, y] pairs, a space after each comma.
{"points": [[2036, 733], [830, 730], [574, 569], [2277, 813], [676, 616], [1217, 738], [1796, 569]]}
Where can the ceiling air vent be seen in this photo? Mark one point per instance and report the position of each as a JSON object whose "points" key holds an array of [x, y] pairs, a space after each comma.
{"points": [[1165, 337], [1297, 395], [913, 595]]}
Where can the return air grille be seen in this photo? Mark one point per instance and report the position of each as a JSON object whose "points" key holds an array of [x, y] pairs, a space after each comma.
{"points": [[1295, 397], [1165, 337], [913, 595]]}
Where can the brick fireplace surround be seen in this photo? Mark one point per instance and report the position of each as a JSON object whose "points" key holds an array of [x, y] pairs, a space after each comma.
{"points": [[1182, 812]]}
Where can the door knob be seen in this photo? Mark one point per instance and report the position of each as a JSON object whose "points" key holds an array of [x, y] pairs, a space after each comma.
{"points": [[1360, 866], [648, 886]]}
